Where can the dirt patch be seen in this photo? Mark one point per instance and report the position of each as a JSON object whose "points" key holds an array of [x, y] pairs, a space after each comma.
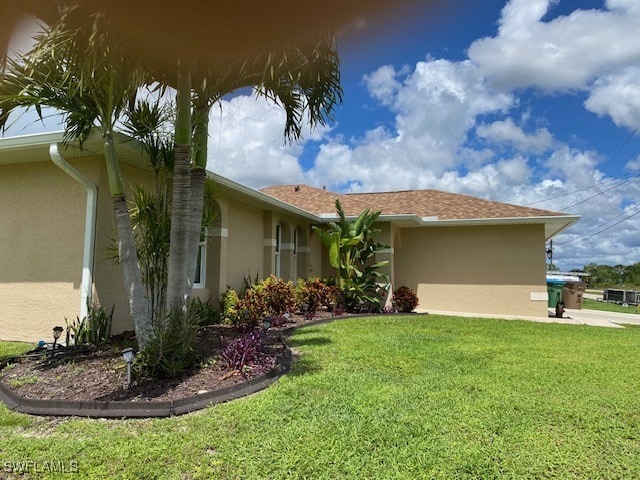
{"points": [[101, 374]]}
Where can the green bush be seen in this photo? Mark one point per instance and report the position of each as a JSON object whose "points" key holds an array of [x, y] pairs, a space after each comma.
{"points": [[229, 306], [172, 350], [94, 329], [202, 312]]}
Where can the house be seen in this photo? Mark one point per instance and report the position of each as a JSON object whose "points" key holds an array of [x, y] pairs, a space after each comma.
{"points": [[458, 252]]}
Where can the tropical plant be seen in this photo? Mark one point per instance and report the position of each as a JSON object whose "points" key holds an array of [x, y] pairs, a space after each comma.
{"points": [[314, 293], [244, 354], [352, 247], [279, 296], [405, 298], [202, 312], [302, 78], [229, 306], [94, 329], [171, 351]]}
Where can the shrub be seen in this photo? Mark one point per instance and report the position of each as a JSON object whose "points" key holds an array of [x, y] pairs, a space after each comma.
{"points": [[315, 293], [229, 306], [172, 350], [406, 300], [202, 312], [252, 308], [94, 329], [245, 353], [279, 296]]}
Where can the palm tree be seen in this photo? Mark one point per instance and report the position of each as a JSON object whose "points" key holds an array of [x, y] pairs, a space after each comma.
{"points": [[80, 69], [303, 79], [82, 72]]}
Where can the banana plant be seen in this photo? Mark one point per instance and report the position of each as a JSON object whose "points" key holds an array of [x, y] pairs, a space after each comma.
{"points": [[351, 245]]}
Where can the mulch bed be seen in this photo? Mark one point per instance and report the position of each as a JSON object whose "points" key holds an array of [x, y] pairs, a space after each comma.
{"points": [[101, 374]]}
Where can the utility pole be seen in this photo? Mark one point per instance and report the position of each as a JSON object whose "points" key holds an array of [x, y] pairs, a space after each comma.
{"points": [[550, 254]]}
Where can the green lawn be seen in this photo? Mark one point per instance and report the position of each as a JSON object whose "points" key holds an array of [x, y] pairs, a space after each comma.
{"points": [[7, 349], [385, 398], [608, 307]]}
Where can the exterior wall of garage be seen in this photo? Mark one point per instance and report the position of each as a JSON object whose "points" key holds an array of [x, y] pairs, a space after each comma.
{"points": [[497, 270]]}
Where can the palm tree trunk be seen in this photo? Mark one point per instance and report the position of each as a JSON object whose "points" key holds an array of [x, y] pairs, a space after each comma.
{"points": [[198, 180], [138, 305], [177, 283]]}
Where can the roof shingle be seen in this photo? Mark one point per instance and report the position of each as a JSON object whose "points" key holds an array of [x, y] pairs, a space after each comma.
{"points": [[424, 203]]}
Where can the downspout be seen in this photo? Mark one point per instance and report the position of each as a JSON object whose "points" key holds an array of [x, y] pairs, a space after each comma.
{"points": [[89, 226]]}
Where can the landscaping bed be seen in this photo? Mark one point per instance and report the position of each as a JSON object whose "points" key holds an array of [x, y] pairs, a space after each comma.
{"points": [[100, 373]]}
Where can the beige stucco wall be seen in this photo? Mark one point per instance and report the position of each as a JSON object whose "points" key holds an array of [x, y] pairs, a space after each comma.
{"points": [[42, 218], [490, 270], [245, 244]]}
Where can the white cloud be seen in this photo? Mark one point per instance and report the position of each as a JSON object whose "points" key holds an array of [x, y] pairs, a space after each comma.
{"points": [[507, 132], [566, 53], [435, 107], [573, 165], [617, 96], [246, 143]]}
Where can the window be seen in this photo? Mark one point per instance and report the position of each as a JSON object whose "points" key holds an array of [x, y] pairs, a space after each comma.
{"points": [[295, 254], [201, 266], [278, 235]]}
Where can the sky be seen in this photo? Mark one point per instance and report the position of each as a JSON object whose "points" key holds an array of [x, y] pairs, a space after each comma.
{"points": [[532, 102]]}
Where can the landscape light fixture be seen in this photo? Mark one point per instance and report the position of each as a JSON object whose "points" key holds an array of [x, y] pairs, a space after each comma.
{"points": [[394, 306], [57, 331], [128, 354]]}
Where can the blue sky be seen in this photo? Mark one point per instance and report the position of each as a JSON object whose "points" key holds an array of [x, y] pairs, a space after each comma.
{"points": [[522, 101]]}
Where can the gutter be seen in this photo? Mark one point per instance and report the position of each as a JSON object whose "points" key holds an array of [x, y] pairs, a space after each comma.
{"points": [[89, 226]]}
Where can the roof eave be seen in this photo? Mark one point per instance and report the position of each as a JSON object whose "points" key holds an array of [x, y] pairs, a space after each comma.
{"points": [[262, 197], [554, 224]]}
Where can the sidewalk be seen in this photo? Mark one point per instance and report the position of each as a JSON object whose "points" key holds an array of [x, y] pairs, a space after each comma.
{"points": [[601, 319], [594, 318]]}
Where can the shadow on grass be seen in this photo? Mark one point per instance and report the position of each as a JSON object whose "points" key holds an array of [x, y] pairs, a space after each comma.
{"points": [[303, 365], [314, 341]]}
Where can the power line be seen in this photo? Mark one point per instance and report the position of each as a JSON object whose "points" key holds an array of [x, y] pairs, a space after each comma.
{"points": [[604, 229], [597, 177]]}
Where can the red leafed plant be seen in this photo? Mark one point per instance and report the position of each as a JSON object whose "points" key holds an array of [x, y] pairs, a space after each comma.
{"points": [[406, 300]]}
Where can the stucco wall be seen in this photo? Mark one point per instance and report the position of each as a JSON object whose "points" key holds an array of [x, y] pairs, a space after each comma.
{"points": [[489, 269], [42, 221], [245, 244], [42, 215]]}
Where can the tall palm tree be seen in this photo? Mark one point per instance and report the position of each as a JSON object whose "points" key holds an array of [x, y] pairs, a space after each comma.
{"points": [[302, 79], [78, 69]]}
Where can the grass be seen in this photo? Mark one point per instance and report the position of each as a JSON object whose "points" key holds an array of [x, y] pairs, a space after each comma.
{"points": [[607, 307], [8, 349], [389, 397]]}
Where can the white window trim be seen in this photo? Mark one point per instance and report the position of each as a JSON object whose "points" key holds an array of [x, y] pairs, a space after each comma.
{"points": [[278, 247], [203, 266]]}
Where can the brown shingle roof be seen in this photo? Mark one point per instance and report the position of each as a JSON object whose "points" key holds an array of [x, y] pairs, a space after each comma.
{"points": [[424, 203]]}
